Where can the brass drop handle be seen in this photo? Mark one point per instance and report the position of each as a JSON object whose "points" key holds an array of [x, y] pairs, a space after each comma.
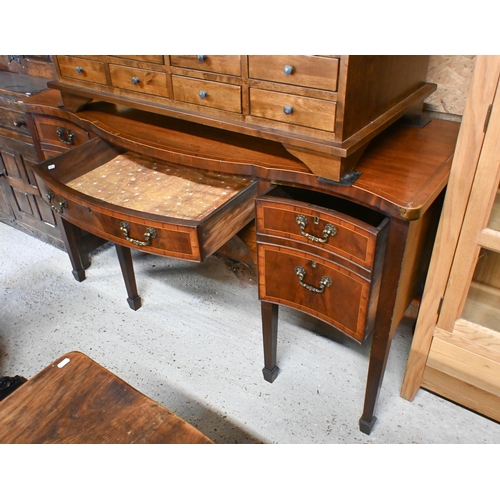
{"points": [[324, 282], [65, 135], [148, 235], [56, 208], [329, 230]]}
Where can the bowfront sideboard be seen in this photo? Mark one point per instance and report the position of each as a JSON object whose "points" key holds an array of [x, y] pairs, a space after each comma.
{"points": [[151, 163]]}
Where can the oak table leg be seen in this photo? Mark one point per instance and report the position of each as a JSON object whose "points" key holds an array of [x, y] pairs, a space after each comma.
{"points": [[384, 329], [127, 267], [270, 336]]}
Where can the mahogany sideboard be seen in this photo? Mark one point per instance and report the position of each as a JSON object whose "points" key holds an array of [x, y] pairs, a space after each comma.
{"points": [[344, 217], [384, 221]]}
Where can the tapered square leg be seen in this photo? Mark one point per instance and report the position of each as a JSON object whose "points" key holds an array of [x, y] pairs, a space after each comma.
{"points": [[127, 267], [270, 337]]}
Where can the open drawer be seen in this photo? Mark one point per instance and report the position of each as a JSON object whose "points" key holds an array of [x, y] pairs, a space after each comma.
{"points": [[141, 202]]}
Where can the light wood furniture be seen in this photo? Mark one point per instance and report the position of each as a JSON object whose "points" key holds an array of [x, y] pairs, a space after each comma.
{"points": [[74, 400], [456, 349], [323, 109]]}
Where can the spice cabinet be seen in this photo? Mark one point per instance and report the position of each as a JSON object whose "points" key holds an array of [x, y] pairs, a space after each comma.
{"points": [[323, 109]]}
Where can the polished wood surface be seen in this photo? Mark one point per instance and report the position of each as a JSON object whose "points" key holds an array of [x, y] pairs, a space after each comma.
{"points": [[273, 97], [402, 174], [76, 401]]}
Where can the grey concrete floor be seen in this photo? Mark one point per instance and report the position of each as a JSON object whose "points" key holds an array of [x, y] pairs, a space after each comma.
{"points": [[195, 346]]}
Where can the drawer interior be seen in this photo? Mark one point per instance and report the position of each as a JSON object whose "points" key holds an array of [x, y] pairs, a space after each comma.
{"points": [[133, 181], [321, 200]]}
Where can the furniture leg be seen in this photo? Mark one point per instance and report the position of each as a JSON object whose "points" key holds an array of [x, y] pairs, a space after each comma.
{"points": [[127, 267], [70, 239], [269, 313], [384, 327]]}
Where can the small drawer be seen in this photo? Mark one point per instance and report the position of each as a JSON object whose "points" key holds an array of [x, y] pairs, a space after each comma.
{"points": [[82, 69], [316, 286], [205, 93], [147, 59], [13, 120], [226, 65], [319, 223], [292, 109], [59, 133], [139, 80], [305, 71], [144, 203]]}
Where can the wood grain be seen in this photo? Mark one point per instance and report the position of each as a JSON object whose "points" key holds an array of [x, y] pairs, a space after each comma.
{"points": [[469, 145], [83, 403]]}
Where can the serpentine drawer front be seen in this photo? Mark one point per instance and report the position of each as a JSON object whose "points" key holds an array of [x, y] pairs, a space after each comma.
{"points": [[144, 203], [323, 259]]}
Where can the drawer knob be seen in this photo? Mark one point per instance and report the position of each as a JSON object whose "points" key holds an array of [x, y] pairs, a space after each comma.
{"points": [[136, 80], [201, 58], [287, 69], [19, 123], [56, 208], [148, 235], [329, 230], [288, 110], [79, 70], [324, 282], [66, 135], [202, 94]]}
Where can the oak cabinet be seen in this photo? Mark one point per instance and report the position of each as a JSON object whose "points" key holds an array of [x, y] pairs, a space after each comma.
{"points": [[456, 349]]}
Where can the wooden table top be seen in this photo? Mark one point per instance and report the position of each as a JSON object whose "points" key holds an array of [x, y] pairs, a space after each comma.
{"points": [[402, 171], [75, 400]]}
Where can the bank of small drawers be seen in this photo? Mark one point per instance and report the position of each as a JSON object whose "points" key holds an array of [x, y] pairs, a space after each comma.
{"points": [[283, 91], [320, 260]]}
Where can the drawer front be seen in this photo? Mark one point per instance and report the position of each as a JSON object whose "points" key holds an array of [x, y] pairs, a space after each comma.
{"points": [[323, 229], [227, 65], [204, 93], [315, 286], [82, 69], [173, 240], [305, 71], [139, 80], [292, 109], [147, 59], [59, 133], [13, 120]]}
